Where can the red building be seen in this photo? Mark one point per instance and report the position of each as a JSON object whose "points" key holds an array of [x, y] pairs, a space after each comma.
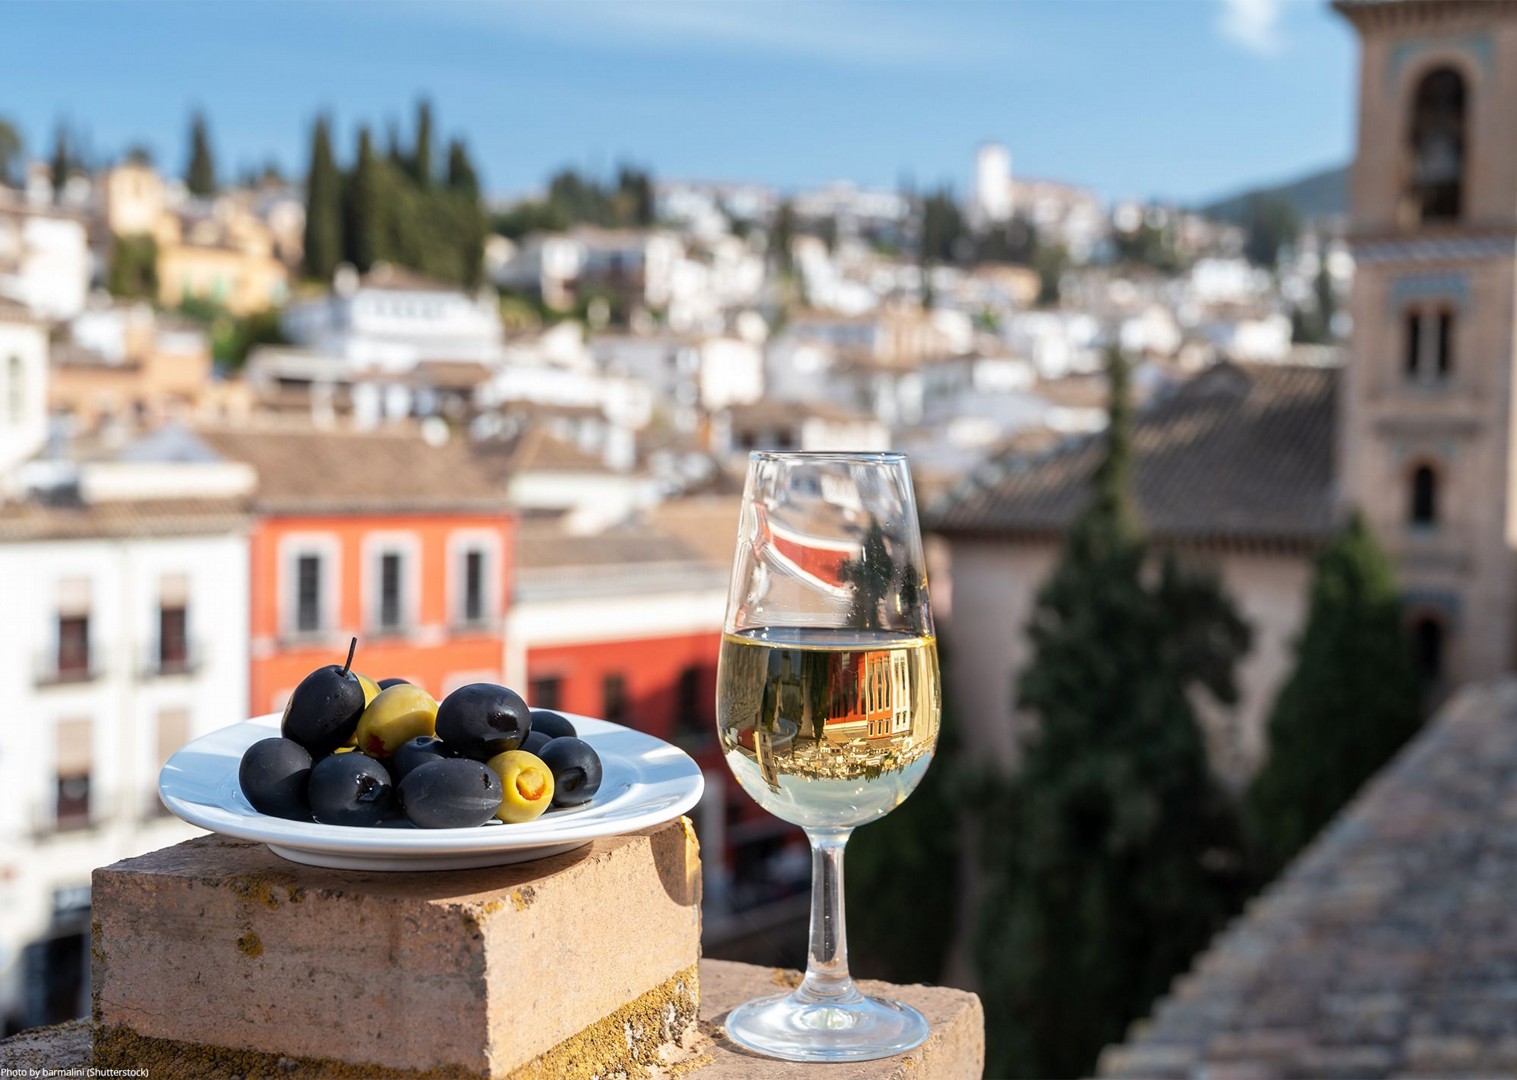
{"points": [[378, 535]]}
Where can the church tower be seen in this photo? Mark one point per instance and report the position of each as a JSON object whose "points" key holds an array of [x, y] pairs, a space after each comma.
{"points": [[1428, 395]]}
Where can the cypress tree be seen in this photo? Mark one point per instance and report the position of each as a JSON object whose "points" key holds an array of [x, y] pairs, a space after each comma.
{"points": [[1100, 853], [200, 176], [461, 175], [323, 232], [364, 221], [421, 156], [62, 163], [10, 153], [1352, 701]]}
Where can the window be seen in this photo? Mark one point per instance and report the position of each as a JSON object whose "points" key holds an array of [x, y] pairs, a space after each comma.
{"points": [[15, 391], [75, 761], [1429, 345], [1424, 502], [73, 646], [1427, 647], [693, 721], [614, 698], [308, 593], [173, 639], [474, 586], [1437, 146], [1413, 344], [1445, 358], [546, 692], [390, 605]]}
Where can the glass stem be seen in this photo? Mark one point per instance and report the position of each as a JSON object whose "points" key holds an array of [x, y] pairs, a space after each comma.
{"points": [[827, 978]]}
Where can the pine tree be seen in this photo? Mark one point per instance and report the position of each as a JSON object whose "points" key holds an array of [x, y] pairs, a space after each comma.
{"points": [[1099, 851], [323, 233], [200, 176], [781, 233], [363, 217], [421, 156], [1352, 701], [461, 175]]}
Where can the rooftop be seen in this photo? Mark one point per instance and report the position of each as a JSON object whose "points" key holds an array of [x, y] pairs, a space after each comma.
{"points": [[1388, 949], [1240, 453], [325, 471]]}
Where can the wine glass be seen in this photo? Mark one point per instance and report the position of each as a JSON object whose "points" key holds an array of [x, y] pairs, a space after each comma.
{"points": [[827, 709]]}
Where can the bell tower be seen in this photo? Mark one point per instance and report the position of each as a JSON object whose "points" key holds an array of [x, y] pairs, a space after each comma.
{"points": [[1428, 394]]}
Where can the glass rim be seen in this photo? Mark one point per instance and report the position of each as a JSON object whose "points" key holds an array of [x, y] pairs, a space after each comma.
{"points": [[826, 455]]}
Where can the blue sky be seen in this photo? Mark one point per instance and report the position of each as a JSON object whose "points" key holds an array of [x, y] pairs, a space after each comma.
{"points": [[1175, 98]]}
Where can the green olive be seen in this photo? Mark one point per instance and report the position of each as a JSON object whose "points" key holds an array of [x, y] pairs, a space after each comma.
{"points": [[395, 717], [370, 692], [526, 785]]}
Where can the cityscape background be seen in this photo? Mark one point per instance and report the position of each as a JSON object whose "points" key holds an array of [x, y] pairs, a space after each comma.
{"points": [[452, 327]]}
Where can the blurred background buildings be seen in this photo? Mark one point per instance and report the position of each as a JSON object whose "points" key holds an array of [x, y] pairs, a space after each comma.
{"points": [[503, 439]]}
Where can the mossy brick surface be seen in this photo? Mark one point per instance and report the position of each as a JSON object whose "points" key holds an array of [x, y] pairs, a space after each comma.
{"points": [[220, 944]]}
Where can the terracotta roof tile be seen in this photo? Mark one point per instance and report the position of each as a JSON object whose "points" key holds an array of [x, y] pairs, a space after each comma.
{"points": [[1241, 452], [308, 469], [1389, 948], [23, 521]]}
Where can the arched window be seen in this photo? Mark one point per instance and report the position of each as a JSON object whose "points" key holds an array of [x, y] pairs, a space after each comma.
{"points": [[1427, 647], [1438, 145], [15, 391], [1424, 510]]}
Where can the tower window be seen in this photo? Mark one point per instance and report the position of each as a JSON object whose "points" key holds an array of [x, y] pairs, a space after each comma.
{"points": [[1438, 147], [1413, 344], [1427, 647], [1424, 496], [1445, 358], [1428, 345]]}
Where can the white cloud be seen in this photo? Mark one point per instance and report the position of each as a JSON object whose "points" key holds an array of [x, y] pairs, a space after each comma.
{"points": [[1253, 24]]}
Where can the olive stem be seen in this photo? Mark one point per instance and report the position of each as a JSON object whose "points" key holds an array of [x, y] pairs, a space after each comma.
{"points": [[352, 648], [827, 980]]}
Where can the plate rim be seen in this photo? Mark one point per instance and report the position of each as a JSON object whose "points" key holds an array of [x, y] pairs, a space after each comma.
{"points": [[403, 844]]}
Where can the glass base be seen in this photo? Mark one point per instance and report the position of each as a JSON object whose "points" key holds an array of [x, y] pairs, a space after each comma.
{"points": [[801, 1027]]}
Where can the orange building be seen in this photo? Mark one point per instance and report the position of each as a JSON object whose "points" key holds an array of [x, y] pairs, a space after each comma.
{"points": [[378, 535]]}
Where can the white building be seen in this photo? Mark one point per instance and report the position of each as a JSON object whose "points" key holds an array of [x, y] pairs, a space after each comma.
{"points": [[126, 635], [391, 320], [44, 261], [992, 184], [23, 386], [687, 373]]}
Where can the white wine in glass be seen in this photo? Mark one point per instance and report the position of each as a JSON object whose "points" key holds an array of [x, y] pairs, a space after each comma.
{"points": [[827, 708]]}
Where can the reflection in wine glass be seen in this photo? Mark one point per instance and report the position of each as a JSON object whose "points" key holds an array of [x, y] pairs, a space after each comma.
{"points": [[827, 708]]}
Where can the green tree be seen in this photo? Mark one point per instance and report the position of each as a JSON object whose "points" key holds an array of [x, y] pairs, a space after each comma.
{"points": [[781, 234], [943, 229], [1269, 221], [200, 176], [635, 190], [421, 155], [323, 229], [1112, 855], [1352, 701], [133, 270], [10, 154], [461, 175], [363, 235], [62, 163]]}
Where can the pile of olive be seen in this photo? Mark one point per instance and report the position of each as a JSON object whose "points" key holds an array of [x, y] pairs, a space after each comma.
{"points": [[355, 752]]}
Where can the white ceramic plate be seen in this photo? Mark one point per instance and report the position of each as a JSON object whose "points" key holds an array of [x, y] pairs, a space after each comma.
{"points": [[646, 782]]}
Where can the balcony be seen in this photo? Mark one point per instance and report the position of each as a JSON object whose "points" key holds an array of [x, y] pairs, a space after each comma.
{"points": [[181, 658], [52, 668]]}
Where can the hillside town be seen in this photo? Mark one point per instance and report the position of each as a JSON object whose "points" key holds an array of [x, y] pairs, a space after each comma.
{"points": [[216, 465]]}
